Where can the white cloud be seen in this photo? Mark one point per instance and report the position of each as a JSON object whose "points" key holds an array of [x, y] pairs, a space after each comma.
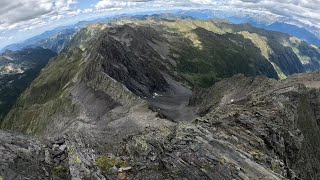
{"points": [[19, 13], [110, 4], [64, 4], [306, 11], [202, 2], [15, 14], [30, 15]]}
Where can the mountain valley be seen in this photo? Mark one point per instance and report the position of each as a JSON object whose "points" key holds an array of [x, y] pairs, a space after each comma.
{"points": [[17, 71]]}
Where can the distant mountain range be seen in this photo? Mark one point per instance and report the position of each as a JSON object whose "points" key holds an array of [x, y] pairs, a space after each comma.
{"points": [[295, 31], [56, 39], [260, 21]]}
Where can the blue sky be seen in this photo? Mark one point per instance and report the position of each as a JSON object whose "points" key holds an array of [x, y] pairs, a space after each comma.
{"points": [[22, 19], [83, 4]]}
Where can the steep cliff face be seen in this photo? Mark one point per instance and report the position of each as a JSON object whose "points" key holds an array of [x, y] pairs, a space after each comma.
{"points": [[128, 58], [120, 97]]}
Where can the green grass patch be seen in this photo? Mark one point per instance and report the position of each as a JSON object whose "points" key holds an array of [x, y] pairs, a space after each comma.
{"points": [[106, 163], [60, 171]]}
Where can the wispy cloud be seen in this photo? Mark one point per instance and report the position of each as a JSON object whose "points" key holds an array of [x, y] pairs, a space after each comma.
{"points": [[306, 11]]}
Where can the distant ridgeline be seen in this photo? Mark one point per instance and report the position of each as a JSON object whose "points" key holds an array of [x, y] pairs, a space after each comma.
{"points": [[264, 22]]}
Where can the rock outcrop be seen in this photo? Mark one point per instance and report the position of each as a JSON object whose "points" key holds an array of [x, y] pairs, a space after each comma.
{"points": [[248, 128], [24, 157]]}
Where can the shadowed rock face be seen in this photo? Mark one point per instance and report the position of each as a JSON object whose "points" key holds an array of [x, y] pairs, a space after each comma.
{"points": [[137, 73], [120, 99]]}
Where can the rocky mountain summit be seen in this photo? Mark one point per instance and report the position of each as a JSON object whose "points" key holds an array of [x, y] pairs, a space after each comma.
{"points": [[248, 128], [160, 99]]}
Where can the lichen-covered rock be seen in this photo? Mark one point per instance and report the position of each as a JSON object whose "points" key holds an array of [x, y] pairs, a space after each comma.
{"points": [[23, 157]]}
